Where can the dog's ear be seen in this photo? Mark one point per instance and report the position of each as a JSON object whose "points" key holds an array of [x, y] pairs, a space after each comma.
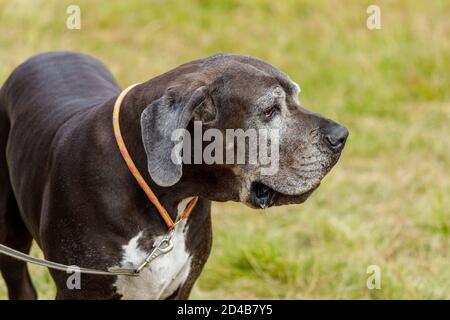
{"points": [[174, 110]]}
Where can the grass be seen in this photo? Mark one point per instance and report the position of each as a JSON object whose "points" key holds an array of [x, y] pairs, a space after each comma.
{"points": [[385, 203]]}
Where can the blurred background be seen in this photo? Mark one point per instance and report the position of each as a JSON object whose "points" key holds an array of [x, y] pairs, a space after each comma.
{"points": [[386, 203]]}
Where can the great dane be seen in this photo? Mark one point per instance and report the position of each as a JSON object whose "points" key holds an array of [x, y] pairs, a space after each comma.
{"points": [[64, 183]]}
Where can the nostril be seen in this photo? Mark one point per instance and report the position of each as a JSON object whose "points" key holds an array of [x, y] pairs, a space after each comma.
{"points": [[336, 136], [331, 141]]}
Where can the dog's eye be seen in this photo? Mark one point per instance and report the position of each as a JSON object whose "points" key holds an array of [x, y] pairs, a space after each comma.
{"points": [[269, 112]]}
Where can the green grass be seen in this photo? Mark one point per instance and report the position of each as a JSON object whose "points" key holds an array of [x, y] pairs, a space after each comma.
{"points": [[385, 203]]}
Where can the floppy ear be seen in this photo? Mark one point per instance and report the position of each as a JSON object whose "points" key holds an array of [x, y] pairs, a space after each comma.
{"points": [[160, 119]]}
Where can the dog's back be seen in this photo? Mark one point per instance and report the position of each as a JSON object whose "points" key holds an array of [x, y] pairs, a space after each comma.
{"points": [[56, 82]]}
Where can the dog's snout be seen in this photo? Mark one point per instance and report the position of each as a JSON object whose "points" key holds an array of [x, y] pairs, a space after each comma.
{"points": [[335, 136]]}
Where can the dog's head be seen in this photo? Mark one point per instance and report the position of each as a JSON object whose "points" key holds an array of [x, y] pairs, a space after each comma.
{"points": [[234, 96]]}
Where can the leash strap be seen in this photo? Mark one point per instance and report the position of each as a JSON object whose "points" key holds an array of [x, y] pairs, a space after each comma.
{"points": [[134, 170], [58, 266]]}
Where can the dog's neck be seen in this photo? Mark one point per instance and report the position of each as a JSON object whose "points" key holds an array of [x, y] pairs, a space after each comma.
{"points": [[130, 116], [197, 180]]}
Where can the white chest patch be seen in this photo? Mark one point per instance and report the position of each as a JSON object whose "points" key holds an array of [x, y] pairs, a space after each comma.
{"points": [[163, 275]]}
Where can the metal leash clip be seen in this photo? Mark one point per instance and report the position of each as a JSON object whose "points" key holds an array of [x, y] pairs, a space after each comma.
{"points": [[160, 247]]}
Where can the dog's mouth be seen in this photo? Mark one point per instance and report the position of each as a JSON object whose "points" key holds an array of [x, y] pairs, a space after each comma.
{"points": [[263, 196]]}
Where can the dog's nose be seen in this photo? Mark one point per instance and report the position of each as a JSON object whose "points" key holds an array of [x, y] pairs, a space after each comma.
{"points": [[335, 136]]}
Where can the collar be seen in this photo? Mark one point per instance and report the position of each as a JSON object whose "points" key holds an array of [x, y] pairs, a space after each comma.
{"points": [[135, 172]]}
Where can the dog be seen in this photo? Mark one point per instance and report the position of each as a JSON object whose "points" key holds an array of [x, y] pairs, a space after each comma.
{"points": [[64, 183]]}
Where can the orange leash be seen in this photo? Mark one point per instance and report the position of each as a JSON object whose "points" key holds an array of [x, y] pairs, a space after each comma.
{"points": [[134, 170]]}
